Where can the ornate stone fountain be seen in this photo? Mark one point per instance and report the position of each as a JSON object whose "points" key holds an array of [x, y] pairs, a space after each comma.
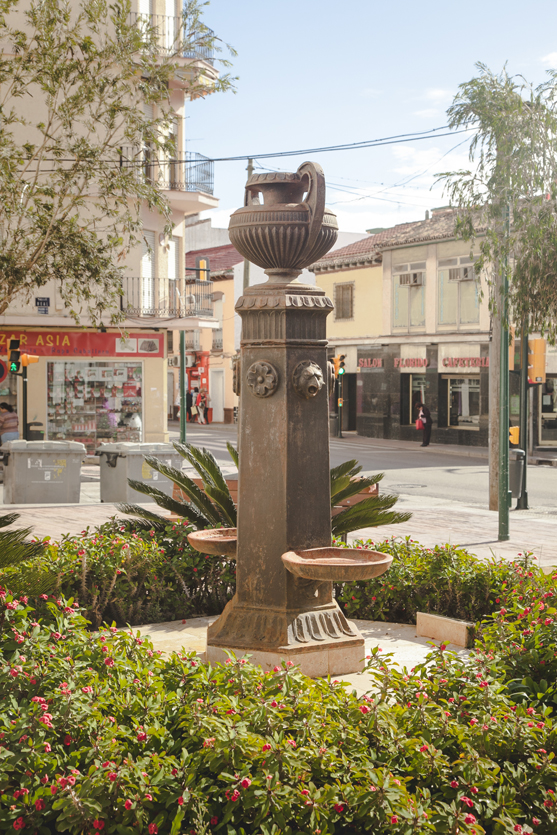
{"points": [[284, 606]]}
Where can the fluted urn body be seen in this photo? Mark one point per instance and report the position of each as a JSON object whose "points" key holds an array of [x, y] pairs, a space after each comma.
{"points": [[285, 232]]}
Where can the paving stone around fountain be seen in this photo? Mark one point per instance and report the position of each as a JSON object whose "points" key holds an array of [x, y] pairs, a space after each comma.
{"points": [[400, 639]]}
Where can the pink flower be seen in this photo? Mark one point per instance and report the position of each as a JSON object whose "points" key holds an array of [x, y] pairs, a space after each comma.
{"points": [[305, 792], [454, 784], [364, 709], [394, 819], [536, 821], [153, 829], [246, 783], [39, 804], [44, 780], [338, 807], [470, 819], [473, 721], [148, 797], [98, 824], [53, 789], [180, 801], [112, 776], [291, 742], [109, 662], [47, 747], [423, 748], [235, 795], [266, 747], [128, 804], [68, 740], [19, 823], [517, 828], [214, 821], [467, 802], [141, 736]]}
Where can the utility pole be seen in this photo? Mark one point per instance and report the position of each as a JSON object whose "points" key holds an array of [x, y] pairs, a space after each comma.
{"points": [[504, 494], [522, 503], [183, 414], [249, 169]]}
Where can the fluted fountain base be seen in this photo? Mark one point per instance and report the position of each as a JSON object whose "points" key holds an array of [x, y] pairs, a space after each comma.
{"points": [[320, 642]]}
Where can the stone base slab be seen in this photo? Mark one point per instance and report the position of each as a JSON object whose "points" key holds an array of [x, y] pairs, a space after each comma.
{"points": [[440, 628], [314, 661]]}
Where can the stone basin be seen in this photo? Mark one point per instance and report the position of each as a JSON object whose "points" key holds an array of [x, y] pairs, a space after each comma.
{"points": [[337, 564], [217, 541]]}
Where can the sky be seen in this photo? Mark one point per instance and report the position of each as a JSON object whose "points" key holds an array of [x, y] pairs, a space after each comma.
{"points": [[313, 73]]}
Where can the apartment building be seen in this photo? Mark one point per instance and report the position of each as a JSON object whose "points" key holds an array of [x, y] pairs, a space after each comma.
{"points": [[97, 384]]}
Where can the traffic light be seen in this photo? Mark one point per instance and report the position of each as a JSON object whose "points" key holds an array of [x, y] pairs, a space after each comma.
{"points": [[14, 358], [341, 366], [536, 360], [336, 363], [514, 435], [28, 359]]}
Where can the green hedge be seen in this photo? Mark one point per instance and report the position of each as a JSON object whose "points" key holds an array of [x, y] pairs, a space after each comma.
{"points": [[445, 580], [101, 734]]}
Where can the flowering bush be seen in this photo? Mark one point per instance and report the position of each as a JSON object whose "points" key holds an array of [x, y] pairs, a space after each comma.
{"points": [[101, 734], [522, 635], [118, 574], [445, 580]]}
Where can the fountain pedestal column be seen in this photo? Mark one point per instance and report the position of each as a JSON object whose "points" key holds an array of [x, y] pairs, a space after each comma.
{"points": [[284, 488]]}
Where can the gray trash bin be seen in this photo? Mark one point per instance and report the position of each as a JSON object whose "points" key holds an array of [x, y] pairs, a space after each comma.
{"points": [[42, 472], [333, 426], [517, 460], [123, 460]]}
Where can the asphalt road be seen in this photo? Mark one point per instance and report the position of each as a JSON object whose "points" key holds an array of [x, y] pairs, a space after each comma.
{"points": [[412, 474]]}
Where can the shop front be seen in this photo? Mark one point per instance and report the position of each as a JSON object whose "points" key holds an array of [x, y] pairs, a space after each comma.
{"points": [[451, 379], [94, 387]]}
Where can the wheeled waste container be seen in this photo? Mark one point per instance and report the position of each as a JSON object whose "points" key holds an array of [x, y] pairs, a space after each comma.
{"points": [[123, 460], [42, 472], [517, 462]]}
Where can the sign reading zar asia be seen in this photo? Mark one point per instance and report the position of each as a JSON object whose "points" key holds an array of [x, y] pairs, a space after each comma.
{"points": [[58, 343]]}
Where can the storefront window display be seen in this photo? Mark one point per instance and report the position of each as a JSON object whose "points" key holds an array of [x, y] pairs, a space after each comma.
{"points": [[94, 402], [464, 402], [548, 411]]}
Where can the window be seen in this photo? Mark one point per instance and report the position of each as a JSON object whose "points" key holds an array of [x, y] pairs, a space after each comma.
{"points": [[148, 273], [170, 342], [94, 402], [173, 275], [463, 402], [459, 302], [344, 301], [409, 295]]}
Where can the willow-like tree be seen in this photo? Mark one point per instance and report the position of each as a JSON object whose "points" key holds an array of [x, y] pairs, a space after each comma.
{"points": [[507, 200], [74, 81]]}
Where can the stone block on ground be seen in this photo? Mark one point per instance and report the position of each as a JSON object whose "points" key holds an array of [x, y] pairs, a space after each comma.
{"points": [[458, 632]]}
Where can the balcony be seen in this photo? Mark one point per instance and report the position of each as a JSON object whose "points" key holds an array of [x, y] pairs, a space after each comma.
{"points": [[188, 183], [164, 298], [217, 345], [168, 32]]}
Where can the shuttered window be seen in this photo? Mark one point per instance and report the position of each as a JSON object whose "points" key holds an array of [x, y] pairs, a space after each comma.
{"points": [[344, 301], [148, 272]]}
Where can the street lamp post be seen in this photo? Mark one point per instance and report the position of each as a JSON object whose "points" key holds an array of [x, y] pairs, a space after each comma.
{"points": [[504, 493]]}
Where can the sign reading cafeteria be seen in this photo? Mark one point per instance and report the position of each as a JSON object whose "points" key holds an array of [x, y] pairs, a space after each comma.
{"points": [[466, 362], [56, 343]]}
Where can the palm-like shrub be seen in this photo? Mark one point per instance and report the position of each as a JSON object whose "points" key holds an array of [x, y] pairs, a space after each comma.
{"points": [[213, 505], [21, 568]]}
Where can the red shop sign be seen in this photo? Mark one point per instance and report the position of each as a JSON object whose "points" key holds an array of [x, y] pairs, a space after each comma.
{"points": [[75, 344], [466, 362], [411, 362]]}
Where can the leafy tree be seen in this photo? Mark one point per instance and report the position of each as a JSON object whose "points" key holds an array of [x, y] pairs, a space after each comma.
{"points": [[508, 198], [213, 505], [74, 83]]}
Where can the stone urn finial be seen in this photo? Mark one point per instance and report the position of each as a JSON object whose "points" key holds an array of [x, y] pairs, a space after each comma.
{"points": [[284, 233]]}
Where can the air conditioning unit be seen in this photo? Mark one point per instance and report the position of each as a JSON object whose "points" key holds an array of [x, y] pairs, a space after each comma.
{"points": [[174, 361], [190, 360], [412, 279]]}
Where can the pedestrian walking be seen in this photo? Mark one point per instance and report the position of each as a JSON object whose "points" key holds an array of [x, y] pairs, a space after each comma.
{"points": [[9, 423], [189, 403], [201, 404], [424, 415], [194, 410]]}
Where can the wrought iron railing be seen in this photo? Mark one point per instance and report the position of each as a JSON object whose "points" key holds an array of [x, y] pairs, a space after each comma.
{"points": [[171, 39], [217, 344], [166, 298], [194, 173]]}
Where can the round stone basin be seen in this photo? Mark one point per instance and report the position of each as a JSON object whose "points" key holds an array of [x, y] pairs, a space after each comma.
{"points": [[337, 564], [217, 541]]}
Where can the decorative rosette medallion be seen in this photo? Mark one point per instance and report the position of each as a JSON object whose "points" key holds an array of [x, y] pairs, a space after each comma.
{"points": [[262, 379]]}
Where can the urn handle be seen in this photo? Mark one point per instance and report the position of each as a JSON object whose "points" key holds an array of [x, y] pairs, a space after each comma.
{"points": [[315, 199]]}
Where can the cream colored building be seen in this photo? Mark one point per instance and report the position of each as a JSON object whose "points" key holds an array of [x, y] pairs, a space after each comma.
{"points": [[90, 385]]}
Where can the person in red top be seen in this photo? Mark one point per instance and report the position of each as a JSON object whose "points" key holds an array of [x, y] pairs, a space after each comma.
{"points": [[425, 416], [9, 423]]}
